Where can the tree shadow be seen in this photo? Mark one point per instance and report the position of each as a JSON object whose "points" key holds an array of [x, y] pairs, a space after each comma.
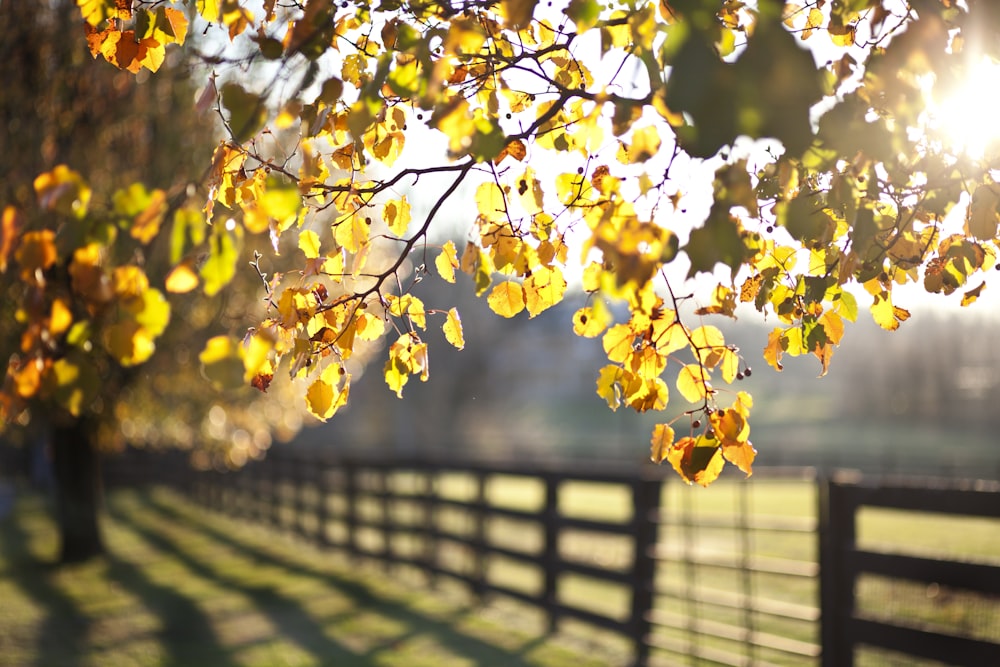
{"points": [[297, 625], [186, 633], [62, 636], [291, 621]]}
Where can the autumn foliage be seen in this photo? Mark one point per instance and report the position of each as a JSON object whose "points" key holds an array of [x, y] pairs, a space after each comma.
{"points": [[565, 136]]}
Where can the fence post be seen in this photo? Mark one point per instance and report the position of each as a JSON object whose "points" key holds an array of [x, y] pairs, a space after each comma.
{"points": [[836, 583], [430, 555], [385, 489], [550, 553], [322, 502], [351, 501], [479, 537], [645, 518]]}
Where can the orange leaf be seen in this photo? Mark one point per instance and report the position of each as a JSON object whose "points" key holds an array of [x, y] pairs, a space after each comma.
{"points": [[696, 462], [10, 227]]}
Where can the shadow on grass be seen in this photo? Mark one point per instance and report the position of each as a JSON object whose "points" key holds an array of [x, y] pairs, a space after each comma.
{"points": [[297, 625], [186, 634], [62, 635]]}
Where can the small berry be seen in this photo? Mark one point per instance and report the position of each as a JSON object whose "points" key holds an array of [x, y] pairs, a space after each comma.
{"points": [[508, 115], [579, 170], [770, 228], [696, 423], [710, 434], [747, 372], [740, 376]]}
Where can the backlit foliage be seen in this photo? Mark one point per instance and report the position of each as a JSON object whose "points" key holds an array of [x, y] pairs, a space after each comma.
{"points": [[572, 129]]}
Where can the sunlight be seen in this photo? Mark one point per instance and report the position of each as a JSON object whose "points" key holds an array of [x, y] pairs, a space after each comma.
{"points": [[967, 120]]}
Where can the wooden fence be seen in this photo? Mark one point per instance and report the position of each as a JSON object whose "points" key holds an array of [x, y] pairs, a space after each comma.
{"points": [[412, 512], [844, 564], [443, 517]]}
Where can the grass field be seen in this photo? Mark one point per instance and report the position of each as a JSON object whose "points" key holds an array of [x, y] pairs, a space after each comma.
{"points": [[186, 588]]}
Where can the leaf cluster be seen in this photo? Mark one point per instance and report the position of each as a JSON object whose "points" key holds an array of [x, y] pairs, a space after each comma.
{"points": [[577, 130]]}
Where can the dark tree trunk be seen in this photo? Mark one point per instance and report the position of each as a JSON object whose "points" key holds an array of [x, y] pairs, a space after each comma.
{"points": [[78, 492]]}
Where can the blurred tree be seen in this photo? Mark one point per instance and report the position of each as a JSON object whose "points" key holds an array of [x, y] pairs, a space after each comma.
{"points": [[579, 127], [107, 341]]}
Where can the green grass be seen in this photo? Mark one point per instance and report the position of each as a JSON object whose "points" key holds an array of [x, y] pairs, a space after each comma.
{"points": [[189, 588]]}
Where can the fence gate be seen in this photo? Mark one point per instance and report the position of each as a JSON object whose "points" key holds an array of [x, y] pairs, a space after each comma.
{"points": [[932, 603]]}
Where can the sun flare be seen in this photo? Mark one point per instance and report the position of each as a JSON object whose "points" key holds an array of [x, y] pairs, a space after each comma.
{"points": [[967, 121]]}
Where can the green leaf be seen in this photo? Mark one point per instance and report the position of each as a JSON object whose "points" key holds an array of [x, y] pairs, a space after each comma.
{"points": [[220, 267], [74, 382], [719, 240], [247, 112]]}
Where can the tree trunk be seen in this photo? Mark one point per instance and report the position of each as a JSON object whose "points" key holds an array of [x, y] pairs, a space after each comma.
{"points": [[78, 492]]}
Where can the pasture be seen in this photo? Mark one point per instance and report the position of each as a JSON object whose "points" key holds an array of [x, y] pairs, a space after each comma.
{"points": [[188, 587]]}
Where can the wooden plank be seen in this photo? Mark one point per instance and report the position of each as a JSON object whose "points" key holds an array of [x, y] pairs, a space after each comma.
{"points": [[729, 600], [971, 576], [978, 499], [736, 633], [949, 649]]}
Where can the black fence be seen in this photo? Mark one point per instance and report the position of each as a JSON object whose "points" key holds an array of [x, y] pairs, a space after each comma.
{"points": [[844, 564], [756, 602]]}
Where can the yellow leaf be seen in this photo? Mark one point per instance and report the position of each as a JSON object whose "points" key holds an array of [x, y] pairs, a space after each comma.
{"points": [[309, 243], [353, 232], [692, 384], [730, 365], [645, 144], [887, 315], [661, 442], [507, 299], [453, 329], [257, 354], [60, 318], [319, 399], [209, 9], [181, 279], [695, 460], [396, 214], [408, 306], [324, 398], [491, 203], [222, 363], [530, 194], [710, 345], [607, 385], [369, 327], [591, 321], [128, 342], [618, 341], [447, 262], [777, 343], [543, 289]]}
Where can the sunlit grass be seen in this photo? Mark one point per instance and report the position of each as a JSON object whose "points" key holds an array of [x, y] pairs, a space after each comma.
{"points": [[187, 588]]}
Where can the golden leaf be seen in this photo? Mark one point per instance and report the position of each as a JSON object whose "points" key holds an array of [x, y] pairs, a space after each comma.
{"points": [[396, 214], [453, 329], [447, 261], [181, 279], [692, 382], [661, 442], [506, 299], [309, 243]]}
